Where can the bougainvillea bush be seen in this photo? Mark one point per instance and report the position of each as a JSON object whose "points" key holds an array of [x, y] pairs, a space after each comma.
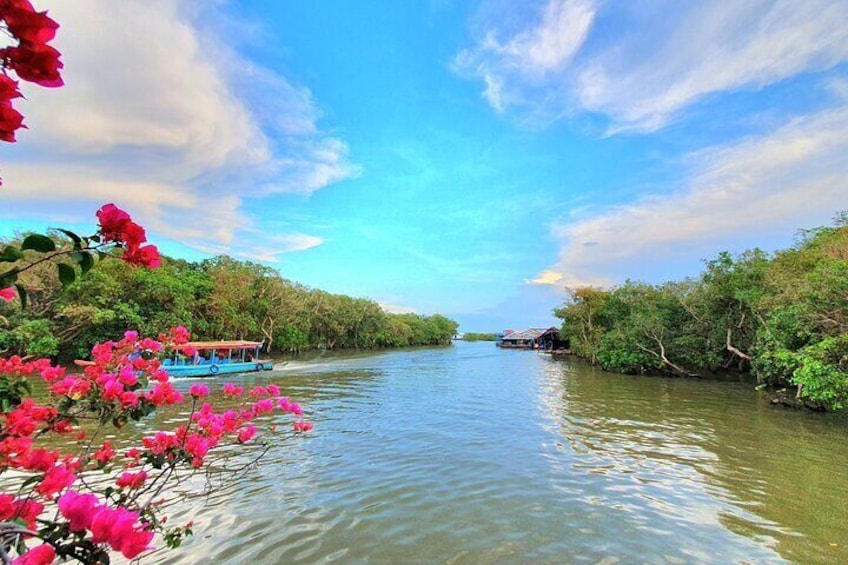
{"points": [[88, 498], [64, 492]]}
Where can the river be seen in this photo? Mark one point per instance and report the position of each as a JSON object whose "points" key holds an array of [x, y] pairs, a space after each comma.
{"points": [[473, 455]]}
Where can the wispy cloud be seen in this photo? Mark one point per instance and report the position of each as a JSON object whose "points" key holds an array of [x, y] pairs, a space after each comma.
{"points": [[532, 57], [739, 194], [397, 309], [650, 64], [266, 250], [551, 278], [160, 116], [643, 82]]}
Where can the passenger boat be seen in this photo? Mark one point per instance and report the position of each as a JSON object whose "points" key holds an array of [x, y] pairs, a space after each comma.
{"points": [[212, 358]]}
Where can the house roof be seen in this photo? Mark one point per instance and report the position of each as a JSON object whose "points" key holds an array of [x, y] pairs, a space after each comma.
{"points": [[531, 333]]}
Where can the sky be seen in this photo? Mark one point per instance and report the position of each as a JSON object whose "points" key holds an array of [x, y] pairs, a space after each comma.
{"points": [[471, 158]]}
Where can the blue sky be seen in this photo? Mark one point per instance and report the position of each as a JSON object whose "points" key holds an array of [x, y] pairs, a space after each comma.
{"points": [[468, 158]]}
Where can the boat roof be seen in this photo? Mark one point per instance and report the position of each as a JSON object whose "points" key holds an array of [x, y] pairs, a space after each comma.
{"points": [[233, 344]]}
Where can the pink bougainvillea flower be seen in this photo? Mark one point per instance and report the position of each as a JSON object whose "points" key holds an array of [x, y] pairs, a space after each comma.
{"points": [[78, 509], [25, 508], [147, 256], [246, 433], [30, 26], [231, 389], [264, 406], [303, 426], [104, 454], [119, 528], [134, 543], [64, 427], [10, 121], [180, 334], [41, 555], [133, 234], [112, 220], [55, 480], [104, 519], [36, 62], [164, 393], [7, 294], [287, 405], [199, 391], [41, 460], [8, 89], [131, 480]]}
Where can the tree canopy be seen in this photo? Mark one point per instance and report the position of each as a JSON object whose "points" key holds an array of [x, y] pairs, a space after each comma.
{"points": [[219, 298], [781, 317]]}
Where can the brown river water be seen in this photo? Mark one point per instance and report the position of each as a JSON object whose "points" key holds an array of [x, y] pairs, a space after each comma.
{"points": [[473, 455]]}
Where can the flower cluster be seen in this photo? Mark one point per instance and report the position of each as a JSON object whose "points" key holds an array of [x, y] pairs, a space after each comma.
{"points": [[31, 58], [122, 382], [118, 527], [117, 227]]}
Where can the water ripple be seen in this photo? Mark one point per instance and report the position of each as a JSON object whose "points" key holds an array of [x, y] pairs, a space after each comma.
{"points": [[470, 454]]}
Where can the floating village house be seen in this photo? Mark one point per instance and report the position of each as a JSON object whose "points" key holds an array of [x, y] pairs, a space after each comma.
{"points": [[533, 338]]}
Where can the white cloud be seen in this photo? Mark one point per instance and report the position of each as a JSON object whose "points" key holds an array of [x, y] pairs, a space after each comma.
{"points": [[739, 195], [532, 56], [561, 281], [551, 278], [649, 64], [711, 47], [160, 116], [396, 309]]}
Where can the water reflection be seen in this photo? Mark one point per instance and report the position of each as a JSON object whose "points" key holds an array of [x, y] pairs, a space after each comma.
{"points": [[711, 454]]}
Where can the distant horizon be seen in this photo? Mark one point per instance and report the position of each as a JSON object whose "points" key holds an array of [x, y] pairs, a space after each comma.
{"points": [[471, 159]]}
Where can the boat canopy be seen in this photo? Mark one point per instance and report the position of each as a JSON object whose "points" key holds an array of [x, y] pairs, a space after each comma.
{"points": [[235, 344]]}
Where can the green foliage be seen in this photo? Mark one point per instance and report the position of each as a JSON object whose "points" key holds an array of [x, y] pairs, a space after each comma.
{"points": [[38, 242], [32, 337], [616, 352], [473, 336], [12, 392], [782, 318], [220, 298], [823, 371]]}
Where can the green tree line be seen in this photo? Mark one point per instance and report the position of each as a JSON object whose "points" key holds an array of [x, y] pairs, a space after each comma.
{"points": [[476, 336], [219, 298], [782, 317]]}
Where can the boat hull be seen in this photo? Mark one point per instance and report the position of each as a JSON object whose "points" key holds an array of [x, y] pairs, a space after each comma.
{"points": [[214, 370]]}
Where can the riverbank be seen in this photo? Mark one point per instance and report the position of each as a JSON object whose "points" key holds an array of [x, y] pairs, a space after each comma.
{"points": [[781, 397], [783, 318]]}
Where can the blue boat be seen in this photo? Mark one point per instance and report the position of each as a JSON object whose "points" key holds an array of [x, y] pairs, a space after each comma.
{"points": [[210, 358]]}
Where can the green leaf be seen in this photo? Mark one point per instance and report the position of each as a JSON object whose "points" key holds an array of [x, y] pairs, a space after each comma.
{"points": [[74, 237], [11, 254], [67, 274], [38, 242], [22, 295], [8, 278], [84, 259]]}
